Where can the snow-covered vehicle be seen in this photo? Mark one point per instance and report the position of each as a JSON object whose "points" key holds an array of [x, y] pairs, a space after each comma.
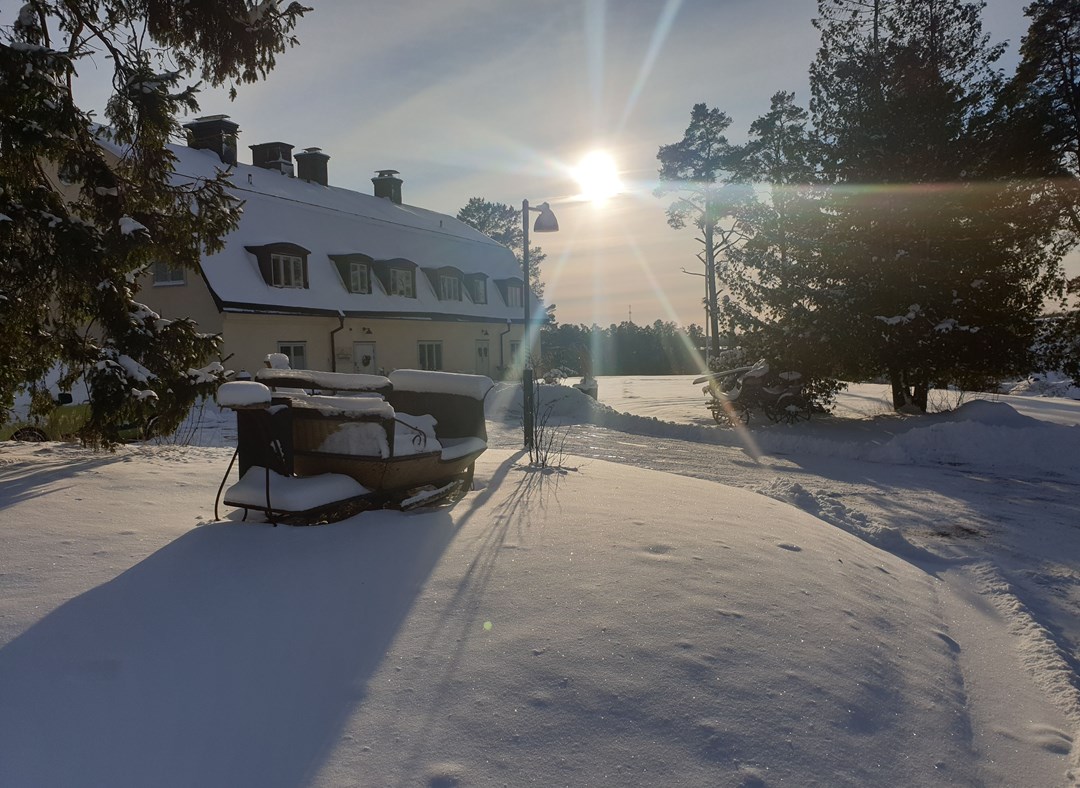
{"points": [[732, 394], [319, 446]]}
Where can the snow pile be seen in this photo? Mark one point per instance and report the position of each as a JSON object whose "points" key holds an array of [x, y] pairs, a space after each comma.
{"points": [[958, 439], [290, 493], [239, 393], [277, 361], [1050, 384]]}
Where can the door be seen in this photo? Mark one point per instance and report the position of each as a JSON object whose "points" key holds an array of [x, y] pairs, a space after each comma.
{"points": [[363, 354], [483, 357]]}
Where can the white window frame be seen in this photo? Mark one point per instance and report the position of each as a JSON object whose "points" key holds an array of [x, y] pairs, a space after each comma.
{"points": [[401, 283], [479, 291], [449, 288], [515, 351], [513, 295], [359, 278], [296, 351], [166, 275], [429, 354], [286, 270]]}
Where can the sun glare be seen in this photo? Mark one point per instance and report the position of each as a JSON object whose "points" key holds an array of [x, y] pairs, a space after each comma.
{"points": [[597, 176]]}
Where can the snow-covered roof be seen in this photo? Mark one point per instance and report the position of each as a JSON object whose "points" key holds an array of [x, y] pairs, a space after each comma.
{"points": [[329, 220]]}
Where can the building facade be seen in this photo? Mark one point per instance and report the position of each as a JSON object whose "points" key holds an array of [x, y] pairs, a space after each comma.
{"points": [[340, 280]]}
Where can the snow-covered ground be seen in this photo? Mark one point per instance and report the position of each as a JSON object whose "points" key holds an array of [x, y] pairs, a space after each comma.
{"points": [[866, 599]]}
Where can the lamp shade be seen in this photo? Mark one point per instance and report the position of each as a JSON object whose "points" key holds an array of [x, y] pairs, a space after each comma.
{"points": [[546, 221]]}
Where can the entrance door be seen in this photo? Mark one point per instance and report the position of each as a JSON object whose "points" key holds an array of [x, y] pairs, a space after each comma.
{"points": [[483, 357], [363, 354]]}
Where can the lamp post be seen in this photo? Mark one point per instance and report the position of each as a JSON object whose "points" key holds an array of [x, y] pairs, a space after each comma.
{"points": [[545, 223]]}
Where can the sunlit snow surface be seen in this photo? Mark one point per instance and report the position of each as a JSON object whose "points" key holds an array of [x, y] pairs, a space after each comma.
{"points": [[886, 601]]}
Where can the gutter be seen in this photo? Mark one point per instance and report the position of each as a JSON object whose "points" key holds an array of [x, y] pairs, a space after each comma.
{"points": [[502, 359], [333, 350]]}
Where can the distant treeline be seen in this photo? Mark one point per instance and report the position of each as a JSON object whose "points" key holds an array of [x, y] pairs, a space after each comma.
{"points": [[624, 349]]}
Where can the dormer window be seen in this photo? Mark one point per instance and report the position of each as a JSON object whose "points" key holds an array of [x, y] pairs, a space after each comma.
{"points": [[282, 264], [476, 284], [286, 270], [446, 282], [449, 288], [511, 290], [401, 283], [359, 278], [396, 275], [355, 270]]}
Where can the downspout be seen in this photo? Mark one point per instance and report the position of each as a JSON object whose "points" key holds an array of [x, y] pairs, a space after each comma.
{"points": [[502, 357], [333, 350]]}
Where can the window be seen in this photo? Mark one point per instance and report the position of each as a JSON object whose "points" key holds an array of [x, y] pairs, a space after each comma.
{"points": [[513, 295], [359, 278], [515, 349], [449, 288], [165, 275], [430, 355], [297, 353], [286, 270], [282, 264], [478, 291], [401, 282]]}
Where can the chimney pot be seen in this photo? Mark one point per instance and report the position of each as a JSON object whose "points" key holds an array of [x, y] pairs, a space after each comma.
{"points": [[273, 156], [311, 165], [216, 133], [388, 185]]}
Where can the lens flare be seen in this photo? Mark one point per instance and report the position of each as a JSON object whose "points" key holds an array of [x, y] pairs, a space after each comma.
{"points": [[598, 176]]}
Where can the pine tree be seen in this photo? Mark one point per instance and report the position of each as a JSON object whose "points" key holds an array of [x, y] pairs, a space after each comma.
{"points": [[698, 170], [84, 209], [501, 222], [1047, 92], [769, 309], [935, 248]]}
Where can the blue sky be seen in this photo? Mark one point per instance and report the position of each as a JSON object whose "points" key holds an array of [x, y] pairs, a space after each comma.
{"points": [[500, 98]]}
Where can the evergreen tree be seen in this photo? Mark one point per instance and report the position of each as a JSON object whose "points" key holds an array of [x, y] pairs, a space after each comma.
{"points": [[1049, 71], [768, 309], [85, 209], [502, 223], [698, 170], [1047, 92], [934, 249]]}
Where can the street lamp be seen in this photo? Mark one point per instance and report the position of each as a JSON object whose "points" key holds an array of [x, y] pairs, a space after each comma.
{"points": [[545, 223]]}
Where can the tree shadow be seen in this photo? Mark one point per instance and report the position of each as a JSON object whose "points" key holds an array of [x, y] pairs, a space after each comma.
{"points": [[52, 470], [232, 656]]}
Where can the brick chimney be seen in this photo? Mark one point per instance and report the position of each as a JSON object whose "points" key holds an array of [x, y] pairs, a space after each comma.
{"points": [[273, 156], [388, 185], [311, 165], [216, 133]]}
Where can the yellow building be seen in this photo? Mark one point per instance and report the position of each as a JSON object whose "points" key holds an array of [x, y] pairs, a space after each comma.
{"points": [[338, 280]]}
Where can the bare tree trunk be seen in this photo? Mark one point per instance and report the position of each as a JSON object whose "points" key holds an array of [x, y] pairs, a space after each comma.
{"points": [[710, 292]]}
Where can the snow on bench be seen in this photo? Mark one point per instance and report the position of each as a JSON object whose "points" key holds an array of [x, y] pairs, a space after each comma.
{"points": [[372, 405], [290, 493], [243, 394], [423, 381], [316, 379]]}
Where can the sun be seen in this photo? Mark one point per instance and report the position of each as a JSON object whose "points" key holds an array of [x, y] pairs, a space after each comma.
{"points": [[598, 176]]}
